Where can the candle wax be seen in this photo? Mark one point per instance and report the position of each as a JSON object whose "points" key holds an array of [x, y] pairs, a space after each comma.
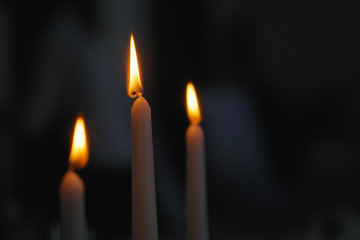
{"points": [[196, 203], [144, 218], [73, 224]]}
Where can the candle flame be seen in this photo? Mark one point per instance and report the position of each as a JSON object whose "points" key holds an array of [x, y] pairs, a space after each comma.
{"points": [[79, 154], [193, 108], [134, 81]]}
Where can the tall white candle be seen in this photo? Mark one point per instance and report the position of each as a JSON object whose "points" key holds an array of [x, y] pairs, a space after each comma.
{"points": [[144, 216], [196, 201], [72, 189]]}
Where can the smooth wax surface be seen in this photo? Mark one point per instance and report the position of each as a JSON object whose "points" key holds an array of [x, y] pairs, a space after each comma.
{"points": [[72, 205], [196, 200], [144, 217]]}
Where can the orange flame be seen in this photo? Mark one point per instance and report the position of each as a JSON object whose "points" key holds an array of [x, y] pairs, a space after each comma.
{"points": [[193, 108], [79, 154], [134, 81]]}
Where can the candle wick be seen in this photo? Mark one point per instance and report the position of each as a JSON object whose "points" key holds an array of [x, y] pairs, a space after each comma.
{"points": [[71, 167], [139, 94]]}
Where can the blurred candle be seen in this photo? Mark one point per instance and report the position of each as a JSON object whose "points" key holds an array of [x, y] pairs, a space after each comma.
{"points": [[144, 218], [72, 190], [196, 203]]}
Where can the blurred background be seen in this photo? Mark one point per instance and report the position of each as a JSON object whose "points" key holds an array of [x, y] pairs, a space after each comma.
{"points": [[278, 83]]}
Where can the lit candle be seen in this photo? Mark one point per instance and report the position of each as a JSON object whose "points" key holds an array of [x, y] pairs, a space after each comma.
{"points": [[144, 219], [196, 203], [72, 190]]}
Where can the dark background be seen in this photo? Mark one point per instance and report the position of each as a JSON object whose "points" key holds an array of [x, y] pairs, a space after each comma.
{"points": [[278, 83]]}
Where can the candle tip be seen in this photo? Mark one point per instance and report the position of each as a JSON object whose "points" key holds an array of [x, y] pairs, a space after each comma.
{"points": [[134, 81], [193, 108], [79, 154]]}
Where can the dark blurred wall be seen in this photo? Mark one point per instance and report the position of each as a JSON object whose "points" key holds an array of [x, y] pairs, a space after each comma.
{"points": [[277, 82], [7, 128]]}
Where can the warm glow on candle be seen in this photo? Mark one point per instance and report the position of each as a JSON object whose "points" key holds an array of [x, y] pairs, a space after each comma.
{"points": [[79, 154], [134, 81], [193, 109]]}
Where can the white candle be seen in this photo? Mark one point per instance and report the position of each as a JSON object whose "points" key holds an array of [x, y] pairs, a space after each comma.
{"points": [[72, 203], [144, 217], [196, 203], [72, 189]]}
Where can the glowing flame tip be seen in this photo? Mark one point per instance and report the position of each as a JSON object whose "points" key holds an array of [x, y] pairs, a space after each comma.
{"points": [[79, 154], [193, 108], [134, 81]]}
